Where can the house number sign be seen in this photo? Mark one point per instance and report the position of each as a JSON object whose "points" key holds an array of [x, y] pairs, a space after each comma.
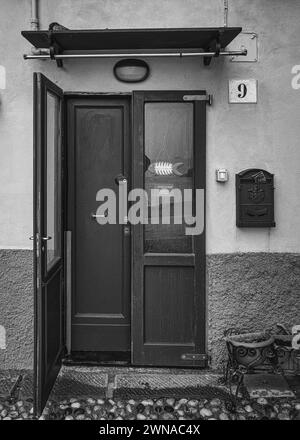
{"points": [[242, 91]]}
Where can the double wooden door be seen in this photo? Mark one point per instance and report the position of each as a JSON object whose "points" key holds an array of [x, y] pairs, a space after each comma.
{"points": [[114, 287]]}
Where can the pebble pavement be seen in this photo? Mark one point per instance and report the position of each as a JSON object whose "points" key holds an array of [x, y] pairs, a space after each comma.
{"points": [[154, 409]]}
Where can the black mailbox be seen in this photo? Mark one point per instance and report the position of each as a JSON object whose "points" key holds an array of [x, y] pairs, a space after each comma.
{"points": [[255, 199]]}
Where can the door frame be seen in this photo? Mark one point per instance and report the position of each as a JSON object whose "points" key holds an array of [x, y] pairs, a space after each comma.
{"points": [[200, 269]]}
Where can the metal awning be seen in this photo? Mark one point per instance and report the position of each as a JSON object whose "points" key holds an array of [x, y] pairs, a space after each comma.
{"points": [[60, 43]]}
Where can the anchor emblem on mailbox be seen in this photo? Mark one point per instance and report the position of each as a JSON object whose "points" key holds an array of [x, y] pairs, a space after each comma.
{"points": [[255, 198]]}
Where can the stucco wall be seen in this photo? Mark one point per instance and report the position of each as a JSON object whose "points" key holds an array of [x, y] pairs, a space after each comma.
{"points": [[265, 135], [16, 308], [252, 291]]}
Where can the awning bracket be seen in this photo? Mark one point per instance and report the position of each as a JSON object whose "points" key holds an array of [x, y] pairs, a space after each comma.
{"points": [[54, 47], [214, 47]]}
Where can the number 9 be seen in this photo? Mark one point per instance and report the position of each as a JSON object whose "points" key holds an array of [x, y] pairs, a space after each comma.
{"points": [[242, 88]]}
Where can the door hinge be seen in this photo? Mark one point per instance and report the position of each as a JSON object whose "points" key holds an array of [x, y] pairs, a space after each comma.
{"points": [[206, 98], [194, 357]]}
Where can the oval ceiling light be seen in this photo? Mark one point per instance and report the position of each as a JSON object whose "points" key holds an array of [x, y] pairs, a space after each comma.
{"points": [[131, 70]]}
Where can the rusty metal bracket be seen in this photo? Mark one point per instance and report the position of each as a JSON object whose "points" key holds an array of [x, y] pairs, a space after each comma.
{"points": [[54, 48], [215, 46]]}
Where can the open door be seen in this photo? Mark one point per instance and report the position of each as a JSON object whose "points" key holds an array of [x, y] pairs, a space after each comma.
{"points": [[47, 237], [168, 312]]}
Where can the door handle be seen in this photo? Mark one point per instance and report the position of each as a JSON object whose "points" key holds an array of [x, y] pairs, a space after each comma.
{"points": [[98, 215], [43, 238], [120, 179]]}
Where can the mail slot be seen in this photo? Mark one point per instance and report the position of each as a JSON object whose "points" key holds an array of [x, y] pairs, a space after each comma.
{"points": [[255, 199]]}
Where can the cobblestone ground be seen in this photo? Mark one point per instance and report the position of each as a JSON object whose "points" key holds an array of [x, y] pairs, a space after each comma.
{"points": [[156, 409]]}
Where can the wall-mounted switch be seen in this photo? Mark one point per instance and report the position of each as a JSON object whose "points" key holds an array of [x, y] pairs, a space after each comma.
{"points": [[222, 175], [2, 78]]}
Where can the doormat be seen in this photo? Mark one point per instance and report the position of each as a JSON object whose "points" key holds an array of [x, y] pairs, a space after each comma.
{"points": [[159, 385], [267, 385], [79, 382]]}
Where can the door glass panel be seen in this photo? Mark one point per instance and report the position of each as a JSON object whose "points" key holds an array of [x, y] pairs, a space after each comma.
{"points": [[53, 185], [168, 165]]}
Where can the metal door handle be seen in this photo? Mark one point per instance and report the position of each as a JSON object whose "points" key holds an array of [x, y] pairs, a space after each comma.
{"points": [[98, 215], [43, 238], [120, 179]]}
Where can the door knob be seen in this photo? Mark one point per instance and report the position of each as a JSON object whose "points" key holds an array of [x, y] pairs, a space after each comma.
{"points": [[120, 179]]}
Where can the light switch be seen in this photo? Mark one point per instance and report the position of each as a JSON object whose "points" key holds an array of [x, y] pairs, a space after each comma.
{"points": [[221, 175]]}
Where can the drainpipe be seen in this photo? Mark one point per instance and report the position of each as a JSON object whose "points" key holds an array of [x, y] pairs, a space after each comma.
{"points": [[34, 20], [35, 26], [226, 13]]}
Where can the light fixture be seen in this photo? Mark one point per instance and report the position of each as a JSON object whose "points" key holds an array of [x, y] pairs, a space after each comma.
{"points": [[131, 70], [221, 175]]}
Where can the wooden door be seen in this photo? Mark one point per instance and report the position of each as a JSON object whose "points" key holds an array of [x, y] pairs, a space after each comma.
{"points": [[48, 237], [168, 311], [98, 154]]}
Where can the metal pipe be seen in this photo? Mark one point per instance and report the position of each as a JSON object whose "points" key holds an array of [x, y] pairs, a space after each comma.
{"points": [[125, 55], [225, 13], [34, 20], [35, 51]]}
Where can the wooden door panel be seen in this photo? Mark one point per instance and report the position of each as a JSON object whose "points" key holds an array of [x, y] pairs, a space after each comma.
{"points": [[48, 235], [99, 250], [107, 338], [98, 133], [52, 308], [168, 308]]}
